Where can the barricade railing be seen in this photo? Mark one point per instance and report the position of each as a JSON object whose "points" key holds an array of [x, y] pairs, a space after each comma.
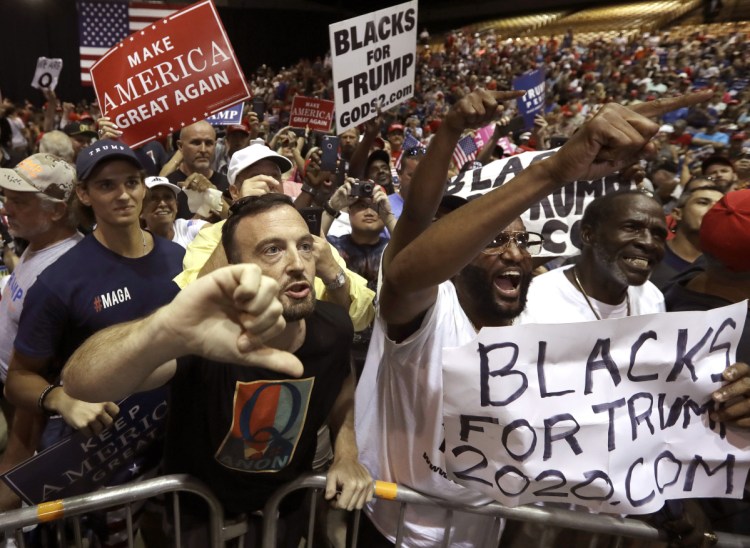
{"points": [[542, 515], [124, 496]]}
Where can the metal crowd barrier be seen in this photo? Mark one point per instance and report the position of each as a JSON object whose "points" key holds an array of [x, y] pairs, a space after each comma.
{"points": [[70, 509], [545, 516]]}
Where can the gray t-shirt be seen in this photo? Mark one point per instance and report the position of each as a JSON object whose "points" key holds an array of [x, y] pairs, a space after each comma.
{"points": [[31, 264]]}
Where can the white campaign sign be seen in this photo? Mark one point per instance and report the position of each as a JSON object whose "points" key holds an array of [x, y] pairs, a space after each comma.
{"points": [[47, 73], [374, 58], [555, 217], [612, 415]]}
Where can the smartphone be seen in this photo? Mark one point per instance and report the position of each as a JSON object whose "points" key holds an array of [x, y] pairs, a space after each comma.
{"points": [[557, 141], [298, 131], [330, 152], [516, 124], [259, 107], [313, 217]]}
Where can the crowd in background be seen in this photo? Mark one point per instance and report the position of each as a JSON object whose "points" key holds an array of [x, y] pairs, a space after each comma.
{"points": [[706, 145]]}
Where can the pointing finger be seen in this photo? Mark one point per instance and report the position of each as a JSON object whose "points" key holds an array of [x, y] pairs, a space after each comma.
{"points": [[659, 107]]}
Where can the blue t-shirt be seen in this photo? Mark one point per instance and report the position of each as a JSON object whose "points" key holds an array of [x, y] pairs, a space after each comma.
{"points": [[89, 288]]}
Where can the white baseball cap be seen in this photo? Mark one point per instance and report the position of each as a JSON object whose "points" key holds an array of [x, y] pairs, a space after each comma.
{"points": [[151, 182], [249, 155]]}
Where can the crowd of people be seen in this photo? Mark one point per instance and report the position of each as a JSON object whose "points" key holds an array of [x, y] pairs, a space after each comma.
{"points": [[297, 312]]}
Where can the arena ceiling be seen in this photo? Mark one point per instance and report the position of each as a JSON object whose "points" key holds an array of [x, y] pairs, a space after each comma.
{"points": [[437, 13]]}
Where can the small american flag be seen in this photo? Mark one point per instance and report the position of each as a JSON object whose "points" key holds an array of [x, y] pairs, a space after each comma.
{"points": [[104, 23], [466, 151], [410, 143]]}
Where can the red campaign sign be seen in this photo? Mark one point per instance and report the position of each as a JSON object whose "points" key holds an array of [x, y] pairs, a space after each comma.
{"points": [[172, 73], [316, 113]]}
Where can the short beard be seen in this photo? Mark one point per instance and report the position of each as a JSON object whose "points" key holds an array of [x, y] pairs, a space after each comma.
{"points": [[473, 282], [300, 310]]}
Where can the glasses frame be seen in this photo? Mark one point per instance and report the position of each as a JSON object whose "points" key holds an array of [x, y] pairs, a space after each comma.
{"points": [[491, 249]]}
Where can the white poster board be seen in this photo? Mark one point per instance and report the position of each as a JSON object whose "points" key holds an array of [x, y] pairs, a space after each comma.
{"points": [[556, 217], [47, 73], [374, 59], [612, 415]]}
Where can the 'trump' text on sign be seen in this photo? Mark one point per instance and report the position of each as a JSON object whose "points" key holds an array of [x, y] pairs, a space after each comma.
{"points": [[557, 216], [374, 57], [168, 75], [571, 413]]}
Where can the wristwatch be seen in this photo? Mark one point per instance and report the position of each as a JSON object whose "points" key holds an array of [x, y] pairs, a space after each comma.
{"points": [[337, 282]]}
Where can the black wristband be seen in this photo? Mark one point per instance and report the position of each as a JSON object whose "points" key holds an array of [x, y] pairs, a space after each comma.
{"points": [[312, 191], [332, 212], [43, 396]]}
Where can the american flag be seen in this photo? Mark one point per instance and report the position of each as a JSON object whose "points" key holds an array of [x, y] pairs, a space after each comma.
{"points": [[410, 143], [104, 23], [466, 151]]}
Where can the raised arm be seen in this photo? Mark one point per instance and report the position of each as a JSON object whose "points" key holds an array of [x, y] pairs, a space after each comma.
{"points": [[225, 316], [426, 190], [614, 138]]}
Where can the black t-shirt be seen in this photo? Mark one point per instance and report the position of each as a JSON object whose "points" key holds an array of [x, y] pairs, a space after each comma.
{"points": [[219, 180], [680, 298], [246, 431]]}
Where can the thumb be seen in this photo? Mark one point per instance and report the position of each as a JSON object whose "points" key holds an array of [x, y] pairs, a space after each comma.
{"points": [[268, 358], [331, 485]]}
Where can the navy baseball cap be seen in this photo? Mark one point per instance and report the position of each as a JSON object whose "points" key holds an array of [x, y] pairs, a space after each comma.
{"points": [[100, 151]]}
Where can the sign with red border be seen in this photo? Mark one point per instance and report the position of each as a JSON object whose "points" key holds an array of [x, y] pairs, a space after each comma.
{"points": [[169, 75]]}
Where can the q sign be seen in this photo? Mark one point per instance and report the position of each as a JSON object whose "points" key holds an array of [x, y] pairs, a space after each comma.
{"points": [[47, 73]]}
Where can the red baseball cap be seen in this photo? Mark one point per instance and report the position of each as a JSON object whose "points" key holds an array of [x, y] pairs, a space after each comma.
{"points": [[725, 231], [238, 127]]}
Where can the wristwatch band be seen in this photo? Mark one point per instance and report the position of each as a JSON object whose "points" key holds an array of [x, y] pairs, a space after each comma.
{"points": [[337, 282], [332, 212]]}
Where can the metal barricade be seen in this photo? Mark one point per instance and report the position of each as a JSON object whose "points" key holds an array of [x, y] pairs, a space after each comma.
{"points": [[545, 516], [126, 495]]}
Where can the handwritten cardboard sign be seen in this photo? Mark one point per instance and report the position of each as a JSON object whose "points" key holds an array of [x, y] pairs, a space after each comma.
{"points": [[168, 75], [76, 464], [374, 59], [612, 415], [557, 216], [317, 114], [47, 73]]}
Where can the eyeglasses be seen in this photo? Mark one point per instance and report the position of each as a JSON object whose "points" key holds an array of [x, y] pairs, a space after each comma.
{"points": [[531, 242]]}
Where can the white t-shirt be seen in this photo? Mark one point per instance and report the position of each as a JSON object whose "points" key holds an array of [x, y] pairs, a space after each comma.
{"points": [[185, 230], [398, 417], [553, 299], [30, 265]]}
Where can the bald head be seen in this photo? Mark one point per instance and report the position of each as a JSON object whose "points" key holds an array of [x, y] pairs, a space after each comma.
{"points": [[197, 144]]}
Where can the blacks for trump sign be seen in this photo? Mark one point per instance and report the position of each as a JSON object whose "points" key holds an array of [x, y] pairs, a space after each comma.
{"points": [[615, 415], [374, 58], [556, 217]]}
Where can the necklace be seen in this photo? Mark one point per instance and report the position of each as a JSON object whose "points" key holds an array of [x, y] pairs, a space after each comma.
{"points": [[588, 301], [143, 239]]}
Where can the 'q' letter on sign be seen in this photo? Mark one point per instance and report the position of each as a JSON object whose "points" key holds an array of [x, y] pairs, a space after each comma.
{"points": [[47, 73], [374, 57]]}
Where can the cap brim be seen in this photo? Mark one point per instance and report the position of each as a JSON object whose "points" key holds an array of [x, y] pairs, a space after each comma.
{"points": [[174, 188], [11, 180]]}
